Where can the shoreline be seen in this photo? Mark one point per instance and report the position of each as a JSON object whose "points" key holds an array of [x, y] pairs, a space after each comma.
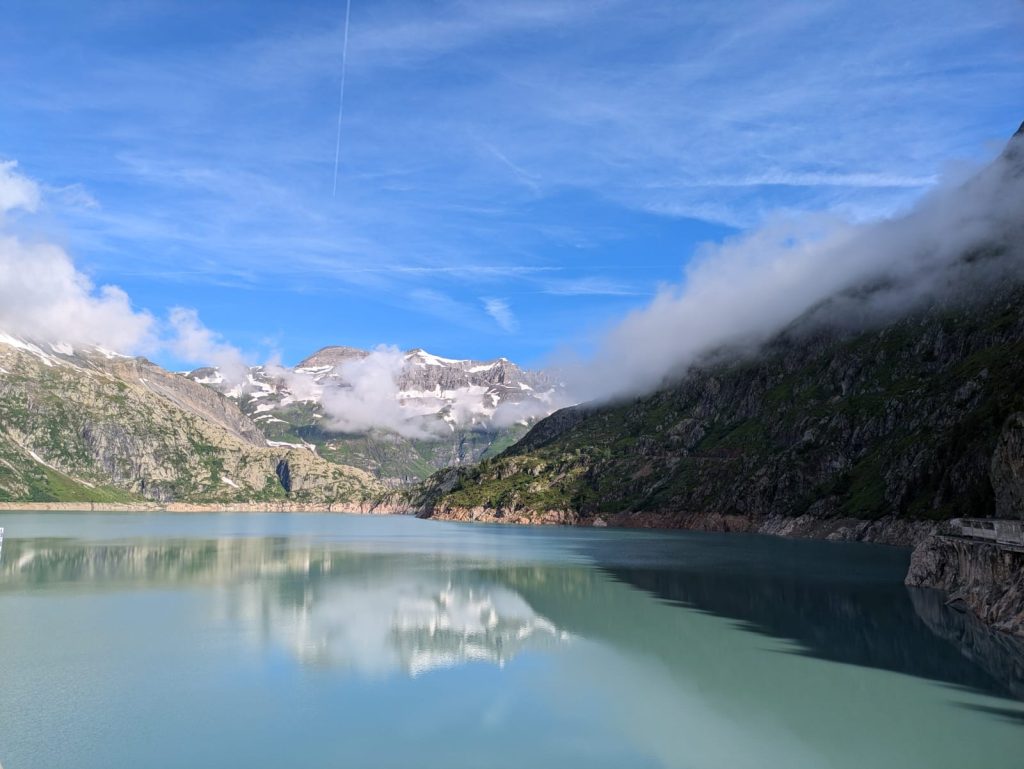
{"points": [[969, 575], [883, 531], [355, 508], [887, 531]]}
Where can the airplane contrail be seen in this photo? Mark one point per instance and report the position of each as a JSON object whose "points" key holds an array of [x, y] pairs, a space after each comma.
{"points": [[341, 97]]}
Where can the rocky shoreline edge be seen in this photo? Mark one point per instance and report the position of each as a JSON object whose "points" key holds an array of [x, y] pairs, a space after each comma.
{"points": [[888, 531], [361, 508], [981, 578]]}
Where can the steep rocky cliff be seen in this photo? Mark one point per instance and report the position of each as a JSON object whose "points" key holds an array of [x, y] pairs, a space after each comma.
{"points": [[986, 579], [89, 425], [917, 420], [1007, 471]]}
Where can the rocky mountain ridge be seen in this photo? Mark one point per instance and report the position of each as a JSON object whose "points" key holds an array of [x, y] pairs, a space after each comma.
{"points": [[91, 425], [898, 396], [917, 420], [459, 410]]}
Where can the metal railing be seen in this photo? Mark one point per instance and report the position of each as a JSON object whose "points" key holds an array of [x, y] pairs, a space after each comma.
{"points": [[998, 531]]}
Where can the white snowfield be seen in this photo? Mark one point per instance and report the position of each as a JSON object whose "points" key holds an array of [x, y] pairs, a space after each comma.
{"points": [[424, 358], [28, 347], [60, 353]]}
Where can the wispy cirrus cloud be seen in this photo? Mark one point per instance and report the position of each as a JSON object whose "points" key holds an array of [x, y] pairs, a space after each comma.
{"points": [[501, 312], [588, 286]]}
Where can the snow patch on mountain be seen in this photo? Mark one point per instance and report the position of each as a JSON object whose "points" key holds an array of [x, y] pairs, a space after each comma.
{"points": [[21, 344], [60, 353], [416, 393]]}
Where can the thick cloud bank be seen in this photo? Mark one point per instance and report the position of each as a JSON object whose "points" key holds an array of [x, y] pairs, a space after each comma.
{"points": [[44, 296], [190, 340], [739, 294], [369, 398]]}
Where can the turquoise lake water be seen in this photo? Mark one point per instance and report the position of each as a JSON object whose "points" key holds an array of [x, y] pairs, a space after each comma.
{"points": [[249, 640]]}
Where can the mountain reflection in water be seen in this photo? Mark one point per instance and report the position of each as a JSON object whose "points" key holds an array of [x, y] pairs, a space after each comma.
{"points": [[379, 612], [403, 620], [881, 626], [632, 649], [372, 614]]}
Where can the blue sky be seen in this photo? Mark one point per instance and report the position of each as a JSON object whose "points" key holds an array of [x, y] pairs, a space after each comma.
{"points": [[514, 177]]}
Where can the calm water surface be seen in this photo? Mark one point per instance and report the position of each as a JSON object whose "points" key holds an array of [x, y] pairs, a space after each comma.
{"points": [[249, 640]]}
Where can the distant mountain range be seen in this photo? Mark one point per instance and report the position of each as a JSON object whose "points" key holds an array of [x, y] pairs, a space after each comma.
{"points": [[451, 412], [90, 424]]}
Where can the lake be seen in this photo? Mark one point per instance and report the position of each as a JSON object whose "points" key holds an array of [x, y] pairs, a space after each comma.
{"points": [[262, 640]]}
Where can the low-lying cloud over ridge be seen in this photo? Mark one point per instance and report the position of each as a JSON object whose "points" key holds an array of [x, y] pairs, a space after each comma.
{"points": [[734, 296], [740, 293], [191, 340], [369, 398]]}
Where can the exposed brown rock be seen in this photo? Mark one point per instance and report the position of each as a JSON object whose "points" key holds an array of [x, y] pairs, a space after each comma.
{"points": [[1007, 472], [984, 578]]}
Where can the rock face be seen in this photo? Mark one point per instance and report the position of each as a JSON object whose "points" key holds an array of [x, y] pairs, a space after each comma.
{"points": [[329, 357], [1007, 470], [183, 394], [91, 426], [898, 398], [918, 420], [986, 579], [453, 401]]}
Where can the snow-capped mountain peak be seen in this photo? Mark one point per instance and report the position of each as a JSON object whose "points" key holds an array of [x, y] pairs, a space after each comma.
{"points": [[335, 395]]}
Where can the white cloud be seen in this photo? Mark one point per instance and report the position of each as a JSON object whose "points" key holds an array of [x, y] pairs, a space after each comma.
{"points": [[192, 341], [301, 385], [525, 411], [43, 295], [739, 294], [500, 310], [73, 196], [369, 397], [16, 190]]}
